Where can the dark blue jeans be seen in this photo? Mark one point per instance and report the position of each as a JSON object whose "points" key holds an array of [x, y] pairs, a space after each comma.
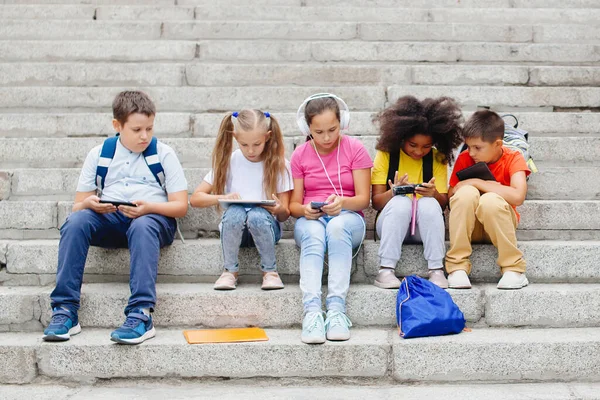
{"points": [[144, 236]]}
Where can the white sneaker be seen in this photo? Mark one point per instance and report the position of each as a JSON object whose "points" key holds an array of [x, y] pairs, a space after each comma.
{"points": [[513, 280], [313, 328], [437, 277], [459, 280]]}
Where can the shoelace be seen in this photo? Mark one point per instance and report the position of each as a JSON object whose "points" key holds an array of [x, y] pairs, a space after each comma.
{"points": [[133, 319], [337, 318], [313, 322], [59, 316], [58, 319]]}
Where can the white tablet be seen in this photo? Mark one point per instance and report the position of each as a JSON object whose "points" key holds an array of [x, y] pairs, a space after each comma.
{"points": [[246, 203]]}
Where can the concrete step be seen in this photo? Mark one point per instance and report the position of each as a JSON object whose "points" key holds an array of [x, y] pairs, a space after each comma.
{"points": [[95, 2], [393, 13], [463, 4], [92, 74], [557, 97], [41, 219], [259, 389], [199, 305], [295, 13], [481, 355], [284, 74], [189, 99], [34, 262], [293, 51], [61, 183], [196, 152], [97, 50], [167, 124]]}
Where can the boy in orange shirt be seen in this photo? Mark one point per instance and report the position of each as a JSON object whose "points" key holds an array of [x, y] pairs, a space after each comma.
{"points": [[484, 211]]}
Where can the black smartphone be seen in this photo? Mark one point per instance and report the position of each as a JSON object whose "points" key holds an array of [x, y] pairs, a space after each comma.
{"points": [[118, 203], [405, 189], [316, 205]]}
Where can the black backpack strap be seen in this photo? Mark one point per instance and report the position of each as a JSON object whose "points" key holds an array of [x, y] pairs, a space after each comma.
{"points": [[428, 167], [393, 166]]}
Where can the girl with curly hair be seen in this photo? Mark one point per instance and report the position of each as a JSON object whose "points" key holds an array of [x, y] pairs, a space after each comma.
{"points": [[419, 137]]}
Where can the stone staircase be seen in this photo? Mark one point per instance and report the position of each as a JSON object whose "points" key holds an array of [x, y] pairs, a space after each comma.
{"points": [[62, 62]]}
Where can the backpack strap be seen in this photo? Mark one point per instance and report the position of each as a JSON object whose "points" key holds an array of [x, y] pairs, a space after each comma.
{"points": [[393, 166], [428, 166], [109, 147], [151, 157]]}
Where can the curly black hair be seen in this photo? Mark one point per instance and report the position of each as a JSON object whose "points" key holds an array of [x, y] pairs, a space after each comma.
{"points": [[440, 118]]}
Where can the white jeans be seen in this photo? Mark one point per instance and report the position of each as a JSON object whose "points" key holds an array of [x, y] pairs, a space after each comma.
{"points": [[393, 226], [340, 235]]}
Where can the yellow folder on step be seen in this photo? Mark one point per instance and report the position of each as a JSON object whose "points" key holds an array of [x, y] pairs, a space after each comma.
{"points": [[233, 335]]}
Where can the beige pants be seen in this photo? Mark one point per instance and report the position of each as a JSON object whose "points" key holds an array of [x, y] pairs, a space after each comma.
{"points": [[487, 217]]}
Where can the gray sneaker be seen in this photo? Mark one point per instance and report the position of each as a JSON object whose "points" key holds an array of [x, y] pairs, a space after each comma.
{"points": [[337, 325], [386, 279], [313, 328], [437, 277]]}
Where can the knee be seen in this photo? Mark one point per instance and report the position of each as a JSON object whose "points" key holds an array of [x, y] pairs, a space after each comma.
{"points": [[466, 195], [336, 230], [234, 217], [491, 202], [399, 207], [142, 226], [309, 233], [429, 208], [79, 220], [257, 218]]}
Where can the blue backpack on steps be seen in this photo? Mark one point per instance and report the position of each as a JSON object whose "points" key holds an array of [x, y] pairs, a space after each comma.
{"points": [[425, 309]]}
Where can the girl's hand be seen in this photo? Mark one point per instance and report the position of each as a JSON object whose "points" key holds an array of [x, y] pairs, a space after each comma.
{"points": [[142, 208], [398, 182], [93, 203], [334, 207], [427, 189], [231, 196], [310, 213], [276, 209]]}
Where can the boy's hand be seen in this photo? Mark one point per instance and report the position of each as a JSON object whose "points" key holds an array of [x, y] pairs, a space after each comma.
{"points": [[334, 207], [276, 209], [310, 213], [93, 203], [398, 182], [468, 182], [142, 208], [427, 189]]}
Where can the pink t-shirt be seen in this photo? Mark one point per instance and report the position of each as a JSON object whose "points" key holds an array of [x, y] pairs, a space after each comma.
{"points": [[306, 165]]}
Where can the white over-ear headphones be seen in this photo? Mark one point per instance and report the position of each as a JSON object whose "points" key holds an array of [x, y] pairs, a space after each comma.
{"points": [[344, 112]]}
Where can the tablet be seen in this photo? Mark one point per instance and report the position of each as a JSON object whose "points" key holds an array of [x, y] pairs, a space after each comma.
{"points": [[246, 203], [479, 170]]}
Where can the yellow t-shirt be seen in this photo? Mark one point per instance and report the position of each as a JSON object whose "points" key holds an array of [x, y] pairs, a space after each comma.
{"points": [[414, 169]]}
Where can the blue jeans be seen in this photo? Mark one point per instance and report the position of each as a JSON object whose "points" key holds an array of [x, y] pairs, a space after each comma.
{"points": [[255, 227], [339, 235], [144, 236]]}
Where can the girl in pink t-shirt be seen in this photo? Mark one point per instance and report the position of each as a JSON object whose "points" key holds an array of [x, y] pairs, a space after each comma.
{"points": [[334, 169]]}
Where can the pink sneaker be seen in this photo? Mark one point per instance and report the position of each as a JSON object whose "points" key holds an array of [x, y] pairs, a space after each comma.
{"points": [[437, 277], [386, 279], [271, 281], [227, 281]]}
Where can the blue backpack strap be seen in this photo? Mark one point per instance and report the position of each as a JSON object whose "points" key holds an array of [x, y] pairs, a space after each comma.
{"points": [[151, 157], [106, 156]]}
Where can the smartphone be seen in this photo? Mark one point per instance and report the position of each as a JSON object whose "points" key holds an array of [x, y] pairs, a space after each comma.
{"points": [[118, 203], [316, 205]]}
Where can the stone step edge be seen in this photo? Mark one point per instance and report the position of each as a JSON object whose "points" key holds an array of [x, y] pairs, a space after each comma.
{"points": [[373, 353]]}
